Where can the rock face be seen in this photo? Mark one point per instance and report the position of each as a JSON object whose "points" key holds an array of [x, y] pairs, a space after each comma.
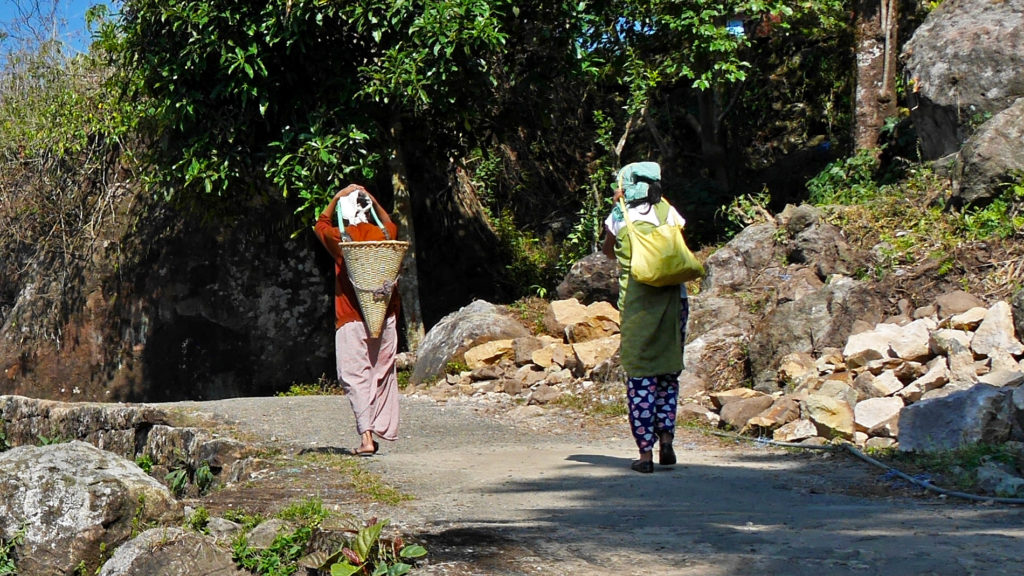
{"points": [[170, 308], [64, 518], [966, 62]]}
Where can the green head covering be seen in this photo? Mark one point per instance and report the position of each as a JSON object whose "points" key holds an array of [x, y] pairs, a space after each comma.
{"points": [[633, 179]]}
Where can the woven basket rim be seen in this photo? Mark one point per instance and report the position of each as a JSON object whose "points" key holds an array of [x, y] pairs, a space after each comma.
{"points": [[383, 243]]}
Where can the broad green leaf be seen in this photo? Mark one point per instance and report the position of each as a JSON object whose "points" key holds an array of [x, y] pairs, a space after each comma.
{"points": [[344, 569], [413, 551]]}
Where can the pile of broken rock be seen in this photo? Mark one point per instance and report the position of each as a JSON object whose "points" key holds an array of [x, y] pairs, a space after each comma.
{"points": [[944, 376], [947, 378]]}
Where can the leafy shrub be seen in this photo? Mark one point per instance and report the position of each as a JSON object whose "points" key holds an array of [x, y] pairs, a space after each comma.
{"points": [[847, 181], [1002, 217], [744, 211], [204, 477], [455, 367]]}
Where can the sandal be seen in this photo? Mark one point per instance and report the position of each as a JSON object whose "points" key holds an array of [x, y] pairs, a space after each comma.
{"points": [[666, 455], [643, 466]]}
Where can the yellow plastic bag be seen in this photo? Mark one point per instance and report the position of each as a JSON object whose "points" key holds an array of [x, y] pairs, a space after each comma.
{"points": [[660, 257]]}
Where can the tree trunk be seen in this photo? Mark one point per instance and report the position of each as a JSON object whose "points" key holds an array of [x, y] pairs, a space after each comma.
{"points": [[708, 125], [875, 98], [408, 285]]}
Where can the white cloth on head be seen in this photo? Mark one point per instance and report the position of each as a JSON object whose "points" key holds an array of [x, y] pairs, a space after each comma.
{"points": [[352, 210]]}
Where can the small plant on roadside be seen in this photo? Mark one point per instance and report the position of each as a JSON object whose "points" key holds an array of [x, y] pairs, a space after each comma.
{"points": [[4, 445], [204, 477], [455, 367], [310, 511], [368, 553], [847, 181], [177, 480], [138, 525], [51, 440], [404, 378], [279, 559], [145, 462], [958, 466], [746, 210], [199, 520], [372, 485], [531, 311], [1002, 217], [593, 406], [246, 520], [322, 387]]}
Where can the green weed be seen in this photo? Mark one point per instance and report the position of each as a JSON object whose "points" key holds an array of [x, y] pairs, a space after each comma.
{"points": [[592, 406], [310, 511], [177, 480], [199, 520], [7, 559], [455, 367], [367, 552], [404, 378], [246, 520], [280, 559], [322, 387], [957, 467], [145, 462]]}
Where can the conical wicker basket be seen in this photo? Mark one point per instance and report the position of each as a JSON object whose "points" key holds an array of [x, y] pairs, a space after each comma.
{"points": [[373, 268]]}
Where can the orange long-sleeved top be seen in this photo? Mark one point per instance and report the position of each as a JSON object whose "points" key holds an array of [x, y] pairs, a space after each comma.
{"points": [[346, 307]]}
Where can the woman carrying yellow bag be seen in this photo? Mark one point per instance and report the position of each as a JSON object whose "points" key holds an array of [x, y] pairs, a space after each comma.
{"points": [[653, 317]]}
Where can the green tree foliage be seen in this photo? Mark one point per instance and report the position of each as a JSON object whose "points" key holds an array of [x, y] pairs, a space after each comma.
{"points": [[303, 96], [299, 94]]}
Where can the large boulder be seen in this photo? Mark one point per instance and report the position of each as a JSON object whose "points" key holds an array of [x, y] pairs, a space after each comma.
{"points": [[990, 158], [71, 501], [979, 415], [170, 552], [966, 61], [594, 278], [459, 331]]}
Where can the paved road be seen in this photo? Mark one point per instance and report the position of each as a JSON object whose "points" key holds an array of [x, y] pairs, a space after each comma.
{"points": [[537, 495]]}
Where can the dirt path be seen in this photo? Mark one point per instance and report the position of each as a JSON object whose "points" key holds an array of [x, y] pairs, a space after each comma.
{"points": [[513, 495]]}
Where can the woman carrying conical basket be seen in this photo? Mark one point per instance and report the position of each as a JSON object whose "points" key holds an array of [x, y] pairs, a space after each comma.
{"points": [[358, 233]]}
